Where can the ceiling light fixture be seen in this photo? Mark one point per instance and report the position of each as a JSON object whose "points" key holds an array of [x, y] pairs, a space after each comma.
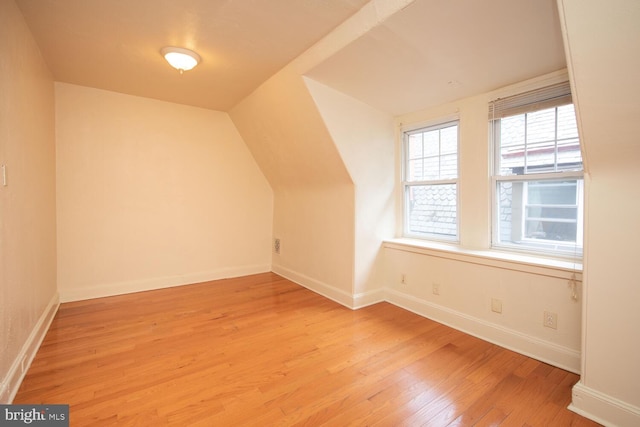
{"points": [[180, 58]]}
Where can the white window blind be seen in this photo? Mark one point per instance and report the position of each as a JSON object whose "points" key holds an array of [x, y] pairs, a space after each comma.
{"points": [[527, 102]]}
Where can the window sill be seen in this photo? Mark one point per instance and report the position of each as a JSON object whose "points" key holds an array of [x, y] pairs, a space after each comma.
{"points": [[505, 260]]}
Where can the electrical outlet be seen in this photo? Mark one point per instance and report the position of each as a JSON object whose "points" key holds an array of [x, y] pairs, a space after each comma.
{"points": [[435, 288], [276, 245], [550, 320], [496, 305]]}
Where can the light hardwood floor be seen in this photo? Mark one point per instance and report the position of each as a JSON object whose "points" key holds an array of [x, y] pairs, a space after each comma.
{"points": [[261, 350]]}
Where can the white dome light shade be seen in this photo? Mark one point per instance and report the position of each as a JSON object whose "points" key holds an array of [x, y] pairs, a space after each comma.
{"points": [[179, 58]]}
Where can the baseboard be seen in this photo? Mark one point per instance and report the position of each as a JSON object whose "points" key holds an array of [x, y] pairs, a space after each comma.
{"points": [[11, 383], [602, 408], [328, 291], [365, 299], [536, 348], [120, 288]]}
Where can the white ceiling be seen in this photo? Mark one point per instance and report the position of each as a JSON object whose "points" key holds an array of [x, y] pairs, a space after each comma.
{"points": [[431, 52], [437, 51], [115, 44]]}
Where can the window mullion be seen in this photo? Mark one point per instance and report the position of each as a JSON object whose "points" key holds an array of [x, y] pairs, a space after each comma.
{"points": [[555, 134], [423, 155], [541, 176], [432, 182], [439, 153], [526, 142]]}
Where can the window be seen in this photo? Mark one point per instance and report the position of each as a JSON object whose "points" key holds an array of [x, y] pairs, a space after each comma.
{"points": [[431, 182], [538, 184]]}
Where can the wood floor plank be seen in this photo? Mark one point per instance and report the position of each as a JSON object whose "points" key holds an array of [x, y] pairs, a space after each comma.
{"points": [[492, 418], [261, 350]]}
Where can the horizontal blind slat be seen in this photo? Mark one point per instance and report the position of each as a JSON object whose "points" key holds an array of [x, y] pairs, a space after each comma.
{"points": [[546, 97]]}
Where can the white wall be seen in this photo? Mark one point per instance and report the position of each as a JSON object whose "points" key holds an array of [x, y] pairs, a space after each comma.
{"points": [[28, 297], [314, 196], [365, 139], [153, 194], [602, 41], [470, 275]]}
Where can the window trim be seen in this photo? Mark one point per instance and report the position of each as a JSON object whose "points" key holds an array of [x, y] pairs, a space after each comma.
{"points": [[551, 95], [405, 184]]}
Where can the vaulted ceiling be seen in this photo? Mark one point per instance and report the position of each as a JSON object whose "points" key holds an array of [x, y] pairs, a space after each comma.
{"points": [[431, 52]]}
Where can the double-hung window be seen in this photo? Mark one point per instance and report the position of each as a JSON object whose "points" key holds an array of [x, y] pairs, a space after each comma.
{"points": [[537, 179], [430, 182]]}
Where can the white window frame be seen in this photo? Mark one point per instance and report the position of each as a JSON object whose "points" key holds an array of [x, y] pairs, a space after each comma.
{"points": [[545, 246], [406, 185]]}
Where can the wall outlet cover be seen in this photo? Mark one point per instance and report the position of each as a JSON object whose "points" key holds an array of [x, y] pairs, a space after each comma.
{"points": [[496, 305]]}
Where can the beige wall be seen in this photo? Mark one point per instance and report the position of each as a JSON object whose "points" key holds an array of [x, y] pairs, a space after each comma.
{"points": [[603, 45], [27, 204], [153, 194]]}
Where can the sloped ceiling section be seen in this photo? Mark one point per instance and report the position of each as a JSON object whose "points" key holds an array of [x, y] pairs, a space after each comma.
{"points": [[437, 51], [313, 194], [281, 126], [115, 44]]}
